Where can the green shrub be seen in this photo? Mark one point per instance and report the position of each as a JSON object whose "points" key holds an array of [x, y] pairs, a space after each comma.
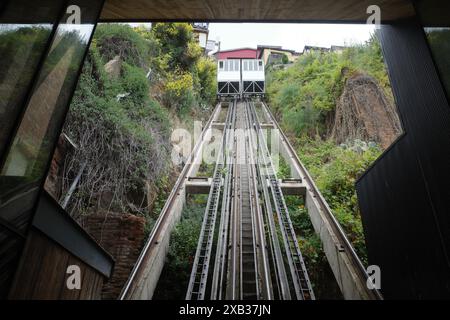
{"points": [[122, 123], [335, 171], [119, 138], [121, 40], [174, 279], [177, 41], [206, 70]]}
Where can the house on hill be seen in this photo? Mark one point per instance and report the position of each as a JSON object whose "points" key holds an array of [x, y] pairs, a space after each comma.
{"points": [[276, 54], [308, 49], [201, 32]]}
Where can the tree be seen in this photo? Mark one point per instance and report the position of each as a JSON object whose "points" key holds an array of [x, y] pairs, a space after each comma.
{"points": [[177, 41]]}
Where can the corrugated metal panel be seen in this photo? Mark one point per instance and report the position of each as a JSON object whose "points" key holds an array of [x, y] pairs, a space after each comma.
{"points": [[401, 234], [405, 196]]}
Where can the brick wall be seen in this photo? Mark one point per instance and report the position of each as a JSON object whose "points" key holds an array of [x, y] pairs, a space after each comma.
{"points": [[122, 236]]}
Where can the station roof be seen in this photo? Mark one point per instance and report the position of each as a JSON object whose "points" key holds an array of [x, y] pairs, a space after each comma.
{"points": [[238, 53], [253, 10]]}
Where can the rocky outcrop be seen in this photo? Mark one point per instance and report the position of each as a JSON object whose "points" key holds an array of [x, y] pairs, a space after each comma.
{"points": [[113, 67], [364, 112]]}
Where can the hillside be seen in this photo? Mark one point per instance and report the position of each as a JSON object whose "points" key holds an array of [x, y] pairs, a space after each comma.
{"points": [[339, 113], [137, 85]]}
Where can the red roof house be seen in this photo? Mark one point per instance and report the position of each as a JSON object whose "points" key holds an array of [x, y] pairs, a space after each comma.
{"points": [[241, 53]]}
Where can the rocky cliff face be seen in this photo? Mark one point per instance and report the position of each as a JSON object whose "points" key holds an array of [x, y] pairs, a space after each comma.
{"points": [[364, 112]]}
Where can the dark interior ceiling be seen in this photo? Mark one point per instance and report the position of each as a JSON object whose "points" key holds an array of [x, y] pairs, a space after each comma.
{"points": [[433, 13], [254, 10]]}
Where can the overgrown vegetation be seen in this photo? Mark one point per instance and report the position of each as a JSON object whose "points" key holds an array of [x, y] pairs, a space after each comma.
{"points": [[304, 97], [321, 276], [174, 279], [134, 83], [335, 170]]}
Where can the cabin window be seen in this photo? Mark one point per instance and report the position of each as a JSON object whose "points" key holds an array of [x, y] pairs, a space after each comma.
{"points": [[220, 64], [236, 65]]}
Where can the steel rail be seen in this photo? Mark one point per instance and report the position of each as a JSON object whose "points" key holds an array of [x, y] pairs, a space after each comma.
{"points": [[232, 260], [200, 269], [253, 204], [345, 243], [138, 269], [281, 275], [302, 285], [222, 241], [262, 270], [261, 254], [234, 291], [248, 264]]}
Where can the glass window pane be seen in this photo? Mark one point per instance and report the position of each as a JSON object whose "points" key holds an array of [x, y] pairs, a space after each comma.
{"points": [[22, 46], [25, 30], [33, 143], [439, 40]]}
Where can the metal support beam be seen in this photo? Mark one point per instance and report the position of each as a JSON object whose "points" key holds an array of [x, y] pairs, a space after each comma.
{"points": [[202, 185]]}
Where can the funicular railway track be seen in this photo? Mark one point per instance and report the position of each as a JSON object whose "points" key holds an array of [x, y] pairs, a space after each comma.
{"points": [[244, 222], [200, 269], [241, 267], [353, 264], [299, 276], [247, 248]]}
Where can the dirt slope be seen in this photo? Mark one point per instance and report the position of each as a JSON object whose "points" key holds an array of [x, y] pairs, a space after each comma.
{"points": [[364, 112]]}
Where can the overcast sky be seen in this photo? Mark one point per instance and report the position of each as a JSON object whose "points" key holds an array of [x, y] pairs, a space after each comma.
{"points": [[289, 36]]}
